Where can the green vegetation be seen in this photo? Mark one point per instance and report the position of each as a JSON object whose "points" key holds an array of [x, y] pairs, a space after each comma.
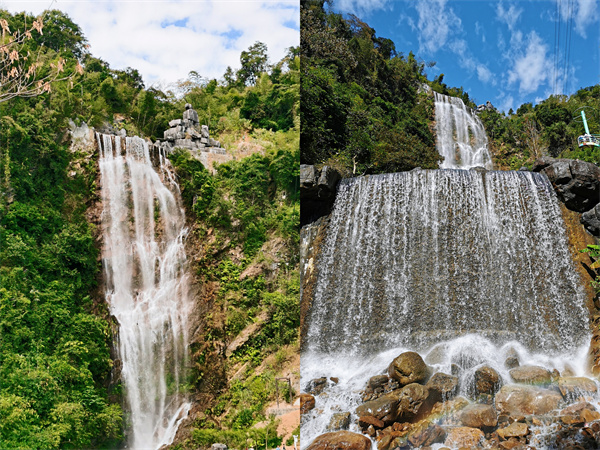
{"points": [[55, 330], [550, 128], [594, 252], [246, 217], [361, 111]]}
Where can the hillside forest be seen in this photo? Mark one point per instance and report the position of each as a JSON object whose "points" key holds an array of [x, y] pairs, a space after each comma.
{"points": [[56, 333], [367, 108]]}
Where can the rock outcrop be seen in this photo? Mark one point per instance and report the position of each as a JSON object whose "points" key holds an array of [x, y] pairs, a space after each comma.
{"points": [[318, 188], [577, 183]]}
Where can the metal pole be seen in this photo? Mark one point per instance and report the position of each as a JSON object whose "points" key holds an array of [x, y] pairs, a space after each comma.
{"points": [[585, 125]]}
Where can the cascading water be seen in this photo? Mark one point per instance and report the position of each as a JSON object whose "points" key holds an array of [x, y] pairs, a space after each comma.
{"points": [[146, 286], [461, 137], [465, 267]]}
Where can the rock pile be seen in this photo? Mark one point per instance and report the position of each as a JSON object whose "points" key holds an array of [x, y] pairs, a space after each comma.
{"points": [[186, 133], [409, 408]]}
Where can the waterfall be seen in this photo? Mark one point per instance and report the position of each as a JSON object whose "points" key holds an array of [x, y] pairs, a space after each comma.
{"points": [[461, 138], [462, 266], [146, 286]]}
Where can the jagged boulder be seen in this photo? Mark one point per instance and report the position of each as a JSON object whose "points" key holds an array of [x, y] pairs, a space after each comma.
{"points": [[377, 382], [413, 403], [340, 440], [442, 387], [591, 220], [318, 188], [577, 183], [408, 368], [531, 375]]}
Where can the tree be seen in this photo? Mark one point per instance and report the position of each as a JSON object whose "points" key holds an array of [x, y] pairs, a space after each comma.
{"points": [[254, 61], [26, 68]]}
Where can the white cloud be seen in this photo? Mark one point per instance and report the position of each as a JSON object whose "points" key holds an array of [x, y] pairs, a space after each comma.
{"points": [[532, 67], [436, 24], [586, 16], [484, 74], [165, 40], [361, 8], [509, 16]]}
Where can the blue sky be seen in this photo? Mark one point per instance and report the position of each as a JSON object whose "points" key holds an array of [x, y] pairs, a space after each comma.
{"points": [[166, 39], [507, 52]]}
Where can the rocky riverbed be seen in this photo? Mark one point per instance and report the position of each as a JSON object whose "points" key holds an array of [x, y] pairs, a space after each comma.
{"points": [[413, 404]]}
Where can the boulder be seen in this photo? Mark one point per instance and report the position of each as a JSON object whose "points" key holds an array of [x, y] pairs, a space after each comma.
{"points": [[307, 402], [383, 408], [573, 388], [512, 359], [339, 421], [591, 220], [433, 434], [577, 408], [515, 399], [442, 387], [318, 188], [413, 403], [515, 429], [577, 183], [316, 386], [340, 440], [487, 381], [479, 416], [408, 368], [364, 422], [378, 381], [531, 375], [460, 437]]}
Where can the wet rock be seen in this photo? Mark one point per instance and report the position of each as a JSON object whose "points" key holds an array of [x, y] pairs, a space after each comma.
{"points": [[307, 402], [434, 434], [334, 380], [487, 381], [577, 408], [364, 422], [512, 359], [515, 429], [339, 421], [340, 440], [384, 408], [479, 416], [573, 388], [577, 183], [409, 368], [591, 220], [442, 387], [589, 415], [413, 402], [450, 407], [316, 386], [378, 381], [464, 437], [531, 375], [525, 400]]}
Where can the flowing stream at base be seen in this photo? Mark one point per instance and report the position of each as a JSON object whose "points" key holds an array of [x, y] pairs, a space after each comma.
{"points": [[146, 286]]}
